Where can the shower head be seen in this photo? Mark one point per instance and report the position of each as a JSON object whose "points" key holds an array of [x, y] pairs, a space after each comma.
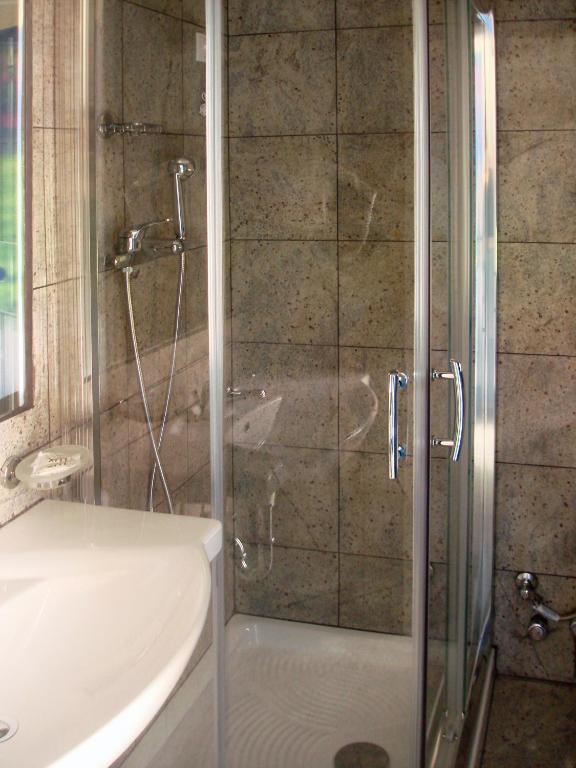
{"points": [[181, 167]]}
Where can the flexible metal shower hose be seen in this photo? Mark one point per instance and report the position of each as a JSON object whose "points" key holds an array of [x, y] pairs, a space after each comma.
{"points": [[155, 446]]}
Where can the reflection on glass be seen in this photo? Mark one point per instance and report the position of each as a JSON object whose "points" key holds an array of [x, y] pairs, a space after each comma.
{"points": [[12, 251]]}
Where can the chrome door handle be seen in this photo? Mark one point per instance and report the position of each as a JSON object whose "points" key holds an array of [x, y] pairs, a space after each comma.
{"points": [[458, 381], [396, 380]]}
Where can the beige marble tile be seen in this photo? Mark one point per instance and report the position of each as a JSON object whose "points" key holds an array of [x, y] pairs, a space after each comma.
{"points": [[375, 594], [38, 219], [301, 384], [510, 10], [108, 57], [61, 157], [282, 84], [439, 183], [198, 440], [535, 187], [546, 99], [113, 336], [298, 487], [153, 291], [195, 190], [302, 585], [43, 63], [536, 418], [68, 30], [376, 282], [285, 291], [195, 11], [535, 527], [364, 398], [174, 454], [536, 289], [367, 57], [194, 72], [109, 181], [69, 391], [538, 731], [170, 7], [283, 188], [552, 659], [376, 190], [149, 187], [376, 287], [248, 16], [152, 68], [375, 187], [196, 292], [374, 13], [375, 512]]}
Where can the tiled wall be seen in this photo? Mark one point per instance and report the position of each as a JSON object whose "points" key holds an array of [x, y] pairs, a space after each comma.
{"points": [[321, 219], [536, 441], [147, 71], [61, 408]]}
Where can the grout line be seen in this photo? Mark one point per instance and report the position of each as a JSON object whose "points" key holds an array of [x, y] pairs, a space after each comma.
{"points": [[326, 29], [535, 354], [535, 466]]}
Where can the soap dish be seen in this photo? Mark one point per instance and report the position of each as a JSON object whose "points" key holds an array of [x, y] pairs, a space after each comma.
{"points": [[69, 460]]}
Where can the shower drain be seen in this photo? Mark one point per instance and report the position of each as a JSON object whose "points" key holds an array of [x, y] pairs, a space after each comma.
{"points": [[8, 727], [361, 754]]}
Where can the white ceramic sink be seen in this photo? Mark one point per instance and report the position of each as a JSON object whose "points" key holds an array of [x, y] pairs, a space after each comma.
{"points": [[100, 610]]}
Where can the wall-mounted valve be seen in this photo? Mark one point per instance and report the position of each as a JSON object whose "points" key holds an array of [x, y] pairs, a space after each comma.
{"points": [[544, 615], [538, 628]]}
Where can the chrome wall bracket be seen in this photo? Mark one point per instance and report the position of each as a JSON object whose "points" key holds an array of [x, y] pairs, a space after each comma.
{"points": [[108, 126]]}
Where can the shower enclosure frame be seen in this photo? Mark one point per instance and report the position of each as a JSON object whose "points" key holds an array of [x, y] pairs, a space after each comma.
{"points": [[482, 218], [421, 381], [485, 160]]}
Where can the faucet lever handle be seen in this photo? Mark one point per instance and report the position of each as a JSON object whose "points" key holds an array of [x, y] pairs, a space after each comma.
{"points": [[131, 238], [139, 230]]}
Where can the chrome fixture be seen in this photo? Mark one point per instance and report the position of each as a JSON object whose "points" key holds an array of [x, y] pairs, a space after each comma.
{"points": [[134, 247], [526, 584], [108, 127], [538, 629], [131, 245], [396, 380], [140, 249], [8, 477], [235, 392], [181, 168], [455, 443]]}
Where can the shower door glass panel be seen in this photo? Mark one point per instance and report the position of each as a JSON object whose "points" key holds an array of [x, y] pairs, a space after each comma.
{"points": [[320, 150]]}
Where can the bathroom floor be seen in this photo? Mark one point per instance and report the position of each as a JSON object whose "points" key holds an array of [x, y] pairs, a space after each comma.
{"points": [[299, 695], [532, 725]]}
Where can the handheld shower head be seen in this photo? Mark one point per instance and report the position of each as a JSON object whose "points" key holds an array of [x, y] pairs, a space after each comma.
{"points": [[180, 168]]}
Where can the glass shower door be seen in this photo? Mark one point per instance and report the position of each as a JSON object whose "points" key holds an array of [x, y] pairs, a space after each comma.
{"points": [[463, 386]]}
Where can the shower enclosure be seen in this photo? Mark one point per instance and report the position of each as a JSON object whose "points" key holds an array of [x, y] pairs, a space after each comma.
{"points": [[333, 382]]}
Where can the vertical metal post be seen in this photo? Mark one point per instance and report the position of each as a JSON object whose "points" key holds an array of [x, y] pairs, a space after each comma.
{"points": [[421, 387], [216, 309]]}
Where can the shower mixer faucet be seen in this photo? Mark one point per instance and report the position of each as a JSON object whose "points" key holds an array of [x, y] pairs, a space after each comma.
{"points": [[135, 247]]}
